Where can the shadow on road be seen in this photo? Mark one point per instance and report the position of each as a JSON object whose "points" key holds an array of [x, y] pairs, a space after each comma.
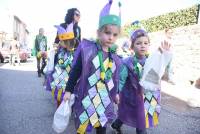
{"points": [[175, 103]]}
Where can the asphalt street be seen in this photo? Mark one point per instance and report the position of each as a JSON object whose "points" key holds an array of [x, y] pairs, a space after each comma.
{"points": [[26, 108]]}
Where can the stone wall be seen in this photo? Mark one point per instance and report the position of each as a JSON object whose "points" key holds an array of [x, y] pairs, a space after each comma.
{"points": [[186, 50]]}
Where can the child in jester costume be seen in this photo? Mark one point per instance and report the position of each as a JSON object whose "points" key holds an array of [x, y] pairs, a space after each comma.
{"points": [[62, 62], [94, 77], [140, 104]]}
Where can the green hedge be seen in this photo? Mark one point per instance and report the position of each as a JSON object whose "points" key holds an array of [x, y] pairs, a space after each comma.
{"points": [[179, 18]]}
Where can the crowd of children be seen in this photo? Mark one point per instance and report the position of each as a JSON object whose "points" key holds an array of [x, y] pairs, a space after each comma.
{"points": [[99, 78]]}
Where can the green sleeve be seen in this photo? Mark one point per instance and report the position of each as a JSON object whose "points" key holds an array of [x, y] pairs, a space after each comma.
{"points": [[123, 74]]}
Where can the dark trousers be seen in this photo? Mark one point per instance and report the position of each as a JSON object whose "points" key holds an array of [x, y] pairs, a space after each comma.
{"points": [[118, 123], [100, 130], [41, 63], [141, 131]]}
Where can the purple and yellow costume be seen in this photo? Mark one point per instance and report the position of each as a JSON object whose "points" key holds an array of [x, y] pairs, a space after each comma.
{"points": [[93, 105], [57, 80], [142, 109], [61, 73], [131, 97], [142, 106], [97, 80]]}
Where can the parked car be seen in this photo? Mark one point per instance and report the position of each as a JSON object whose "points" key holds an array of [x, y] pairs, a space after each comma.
{"points": [[1, 58], [5, 52], [23, 55]]}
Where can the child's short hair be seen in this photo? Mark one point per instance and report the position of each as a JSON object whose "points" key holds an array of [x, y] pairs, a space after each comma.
{"points": [[41, 29], [137, 34], [104, 27]]}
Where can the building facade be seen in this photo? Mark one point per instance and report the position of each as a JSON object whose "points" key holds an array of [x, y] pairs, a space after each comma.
{"points": [[12, 26]]}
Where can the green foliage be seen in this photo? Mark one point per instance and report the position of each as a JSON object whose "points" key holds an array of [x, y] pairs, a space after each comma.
{"points": [[179, 18]]}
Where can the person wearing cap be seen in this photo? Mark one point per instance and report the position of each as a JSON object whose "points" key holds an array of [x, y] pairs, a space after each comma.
{"points": [[94, 76], [62, 62], [141, 106]]}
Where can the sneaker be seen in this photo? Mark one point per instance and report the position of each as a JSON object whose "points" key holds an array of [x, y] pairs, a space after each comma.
{"points": [[116, 129], [138, 131]]}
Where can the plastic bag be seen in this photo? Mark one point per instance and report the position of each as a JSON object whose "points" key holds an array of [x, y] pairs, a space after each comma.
{"points": [[62, 115], [50, 62], [154, 69]]}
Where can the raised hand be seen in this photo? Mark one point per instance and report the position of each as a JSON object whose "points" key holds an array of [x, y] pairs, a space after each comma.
{"points": [[165, 46]]}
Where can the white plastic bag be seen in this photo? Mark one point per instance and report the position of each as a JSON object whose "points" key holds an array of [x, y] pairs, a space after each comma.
{"points": [[154, 69], [62, 115], [50, 63]]}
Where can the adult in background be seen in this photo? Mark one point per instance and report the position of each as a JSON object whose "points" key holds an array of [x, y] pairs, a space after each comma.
{"points": [[41, 51], [14, 51], [66, 41], [73, 15]]}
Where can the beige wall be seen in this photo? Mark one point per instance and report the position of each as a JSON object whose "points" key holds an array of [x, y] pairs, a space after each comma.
{"points": [[186, 51]]}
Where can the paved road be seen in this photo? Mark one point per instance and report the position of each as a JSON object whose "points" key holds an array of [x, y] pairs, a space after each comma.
{"points": [[26, 108]]}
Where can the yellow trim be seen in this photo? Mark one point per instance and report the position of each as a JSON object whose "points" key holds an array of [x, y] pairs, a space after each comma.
{"points": [[82, 127], [102, 75], [66, 36], [155, 119], [97, 124], [53, 92], [59, 94], [110, 64], [60, 61], [147, 121], [105, 63]]}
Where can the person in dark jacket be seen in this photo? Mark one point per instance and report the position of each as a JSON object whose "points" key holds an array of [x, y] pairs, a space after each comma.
{"points": [[73, 15], [41, 51]]}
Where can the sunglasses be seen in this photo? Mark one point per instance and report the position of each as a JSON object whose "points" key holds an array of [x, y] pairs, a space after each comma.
{"points": [[77, 14]]}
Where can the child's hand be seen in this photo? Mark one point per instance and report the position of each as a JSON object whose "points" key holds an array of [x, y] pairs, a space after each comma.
{"points": [[67, 96], [165, 46], [117, 99]]}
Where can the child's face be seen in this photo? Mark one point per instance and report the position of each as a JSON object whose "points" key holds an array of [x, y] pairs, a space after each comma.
{"points": [[108, 35], [41, 31], [68, 44], [141, 45]]}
